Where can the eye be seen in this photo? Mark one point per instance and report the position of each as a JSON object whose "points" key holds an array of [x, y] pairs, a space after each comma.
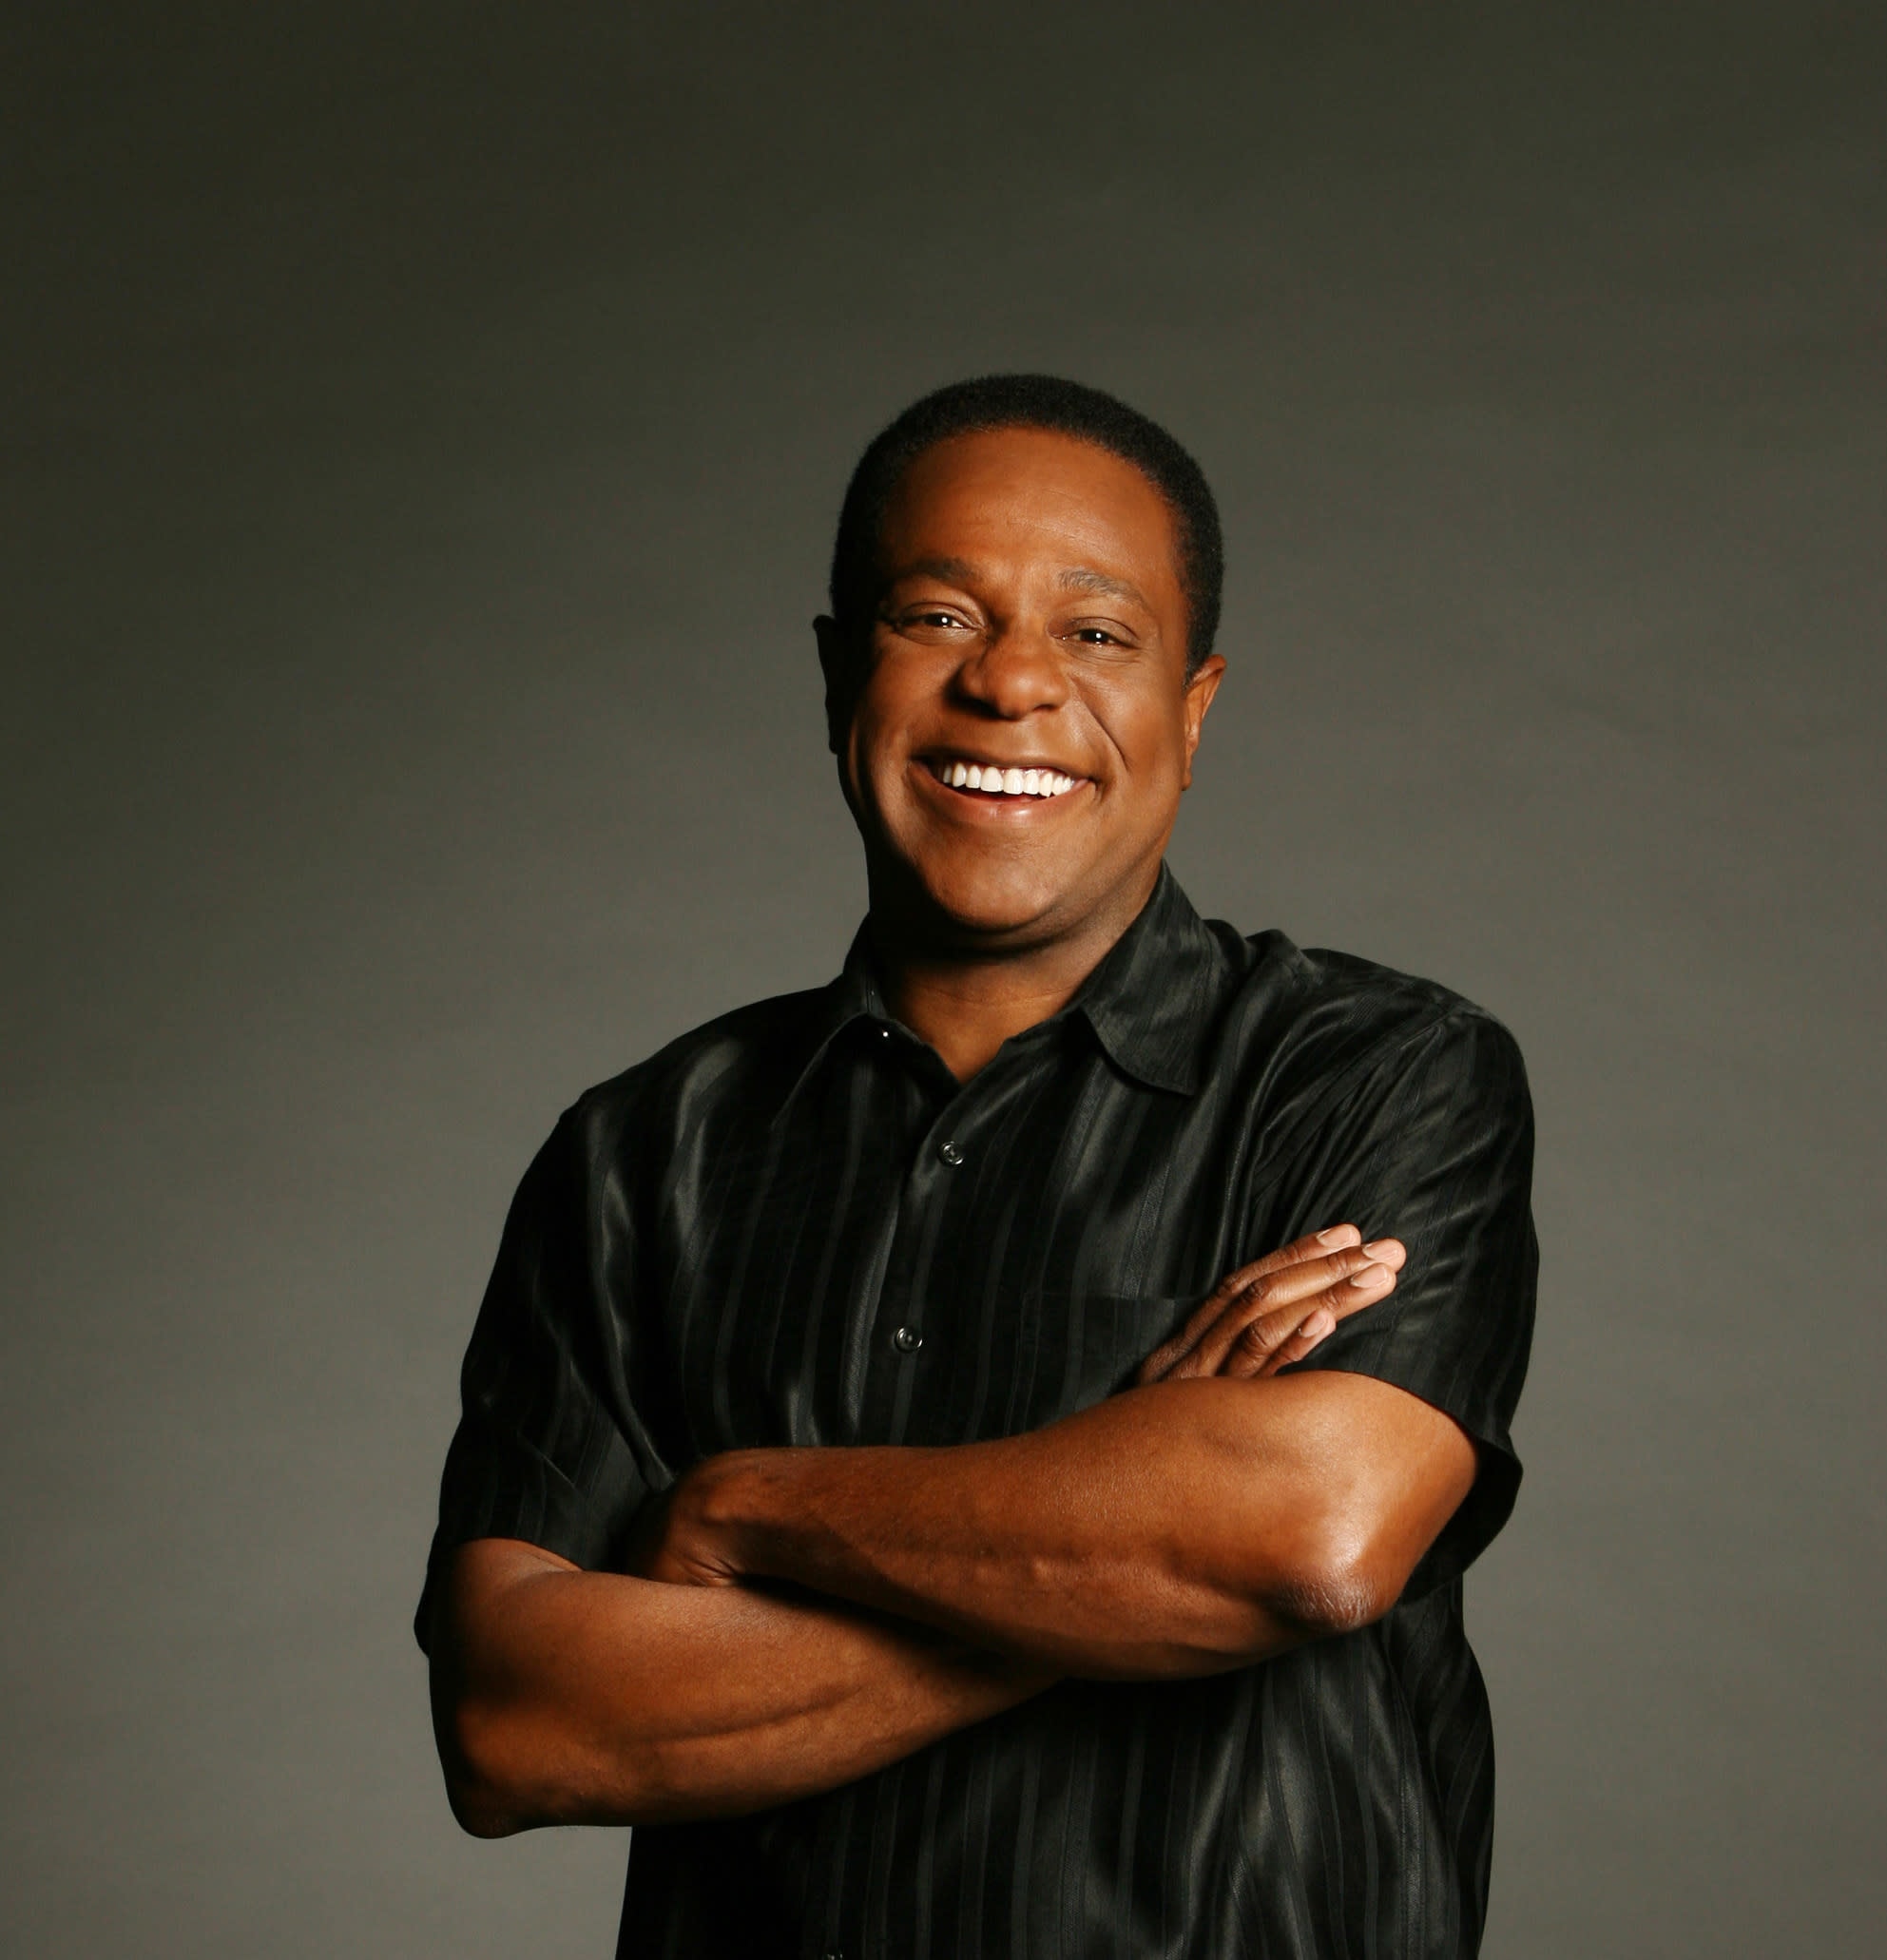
{"points": [[1094, 636], [933, 622]]}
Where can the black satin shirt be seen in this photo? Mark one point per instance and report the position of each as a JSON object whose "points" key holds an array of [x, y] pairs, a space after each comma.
{"points": [[794, 1226]]}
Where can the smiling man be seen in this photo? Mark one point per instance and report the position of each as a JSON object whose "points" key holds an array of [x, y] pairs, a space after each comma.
{"points": [[979, 1459]]}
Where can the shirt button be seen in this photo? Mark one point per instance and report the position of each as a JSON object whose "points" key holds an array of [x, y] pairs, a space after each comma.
{"points": [[908, 1339], [949, 1154]]}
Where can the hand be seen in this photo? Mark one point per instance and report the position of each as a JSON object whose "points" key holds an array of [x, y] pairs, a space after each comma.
{"points": [[673, 1539], [1272, 1313]]}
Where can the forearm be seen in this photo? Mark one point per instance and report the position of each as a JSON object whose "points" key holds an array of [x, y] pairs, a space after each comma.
{"points": [[570, 1697], [1177, 1529]]}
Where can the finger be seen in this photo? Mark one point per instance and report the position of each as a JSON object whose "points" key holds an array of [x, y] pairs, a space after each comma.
{"points": [[1386, 1255], [1294, 1346], [1362, 1284], [1248, 1350], [1251, 1338], [1262, 1288], [1314, 1245], [1275, 1343], [1259, 1320], [1365, 1288]]}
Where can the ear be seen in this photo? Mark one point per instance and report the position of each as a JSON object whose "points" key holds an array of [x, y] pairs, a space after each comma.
{"points": [[839, 664], [1199, 693]]}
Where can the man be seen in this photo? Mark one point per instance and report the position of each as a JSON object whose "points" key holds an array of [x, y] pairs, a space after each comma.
{"points": [[979, 1459]]}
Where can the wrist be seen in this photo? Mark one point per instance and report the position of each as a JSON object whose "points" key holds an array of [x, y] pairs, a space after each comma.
{"points": [[721, 1513]]}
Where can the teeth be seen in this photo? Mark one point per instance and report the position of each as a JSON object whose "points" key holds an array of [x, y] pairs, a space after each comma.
{"points": [[987, 778]]}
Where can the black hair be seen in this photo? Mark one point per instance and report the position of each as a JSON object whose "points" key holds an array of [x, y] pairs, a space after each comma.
{"points": [[1033, 401]]}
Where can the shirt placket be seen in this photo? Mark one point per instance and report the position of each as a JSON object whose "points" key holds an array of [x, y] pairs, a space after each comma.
{"points": [[905, 1343]]}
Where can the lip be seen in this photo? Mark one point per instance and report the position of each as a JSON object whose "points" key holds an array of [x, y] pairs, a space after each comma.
{"points": [[985, 804]]}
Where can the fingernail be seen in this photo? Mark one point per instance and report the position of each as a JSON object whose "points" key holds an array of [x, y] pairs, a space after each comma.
{"points": [[1335, 1236], [1319, 1324], [1382, 1248], [1370, 1275]]}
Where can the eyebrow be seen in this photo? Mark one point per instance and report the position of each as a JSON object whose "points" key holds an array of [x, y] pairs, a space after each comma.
{"points": [[955, 571], [1078, 578], [1083, 579]]}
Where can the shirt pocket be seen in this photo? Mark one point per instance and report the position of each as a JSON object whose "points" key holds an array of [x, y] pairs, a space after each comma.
{"points": [[1026, 1360]]}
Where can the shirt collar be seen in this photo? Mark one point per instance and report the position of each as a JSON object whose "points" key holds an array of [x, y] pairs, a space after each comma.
{"points": [[1150, 1002], [855, 995]]}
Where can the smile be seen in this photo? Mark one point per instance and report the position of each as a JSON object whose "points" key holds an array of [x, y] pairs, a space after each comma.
{"points": [[997, 779]]}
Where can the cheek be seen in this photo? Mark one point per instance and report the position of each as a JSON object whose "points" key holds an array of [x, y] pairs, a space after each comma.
{"points": [[879, 746], [1148, 735], [896, 696]]}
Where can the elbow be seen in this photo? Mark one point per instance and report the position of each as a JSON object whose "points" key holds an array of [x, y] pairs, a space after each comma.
{"points": [[1339, 1585], [1330, 1601], [479, 1813], [519, 1740], [483, 1784], [511, 1767]]}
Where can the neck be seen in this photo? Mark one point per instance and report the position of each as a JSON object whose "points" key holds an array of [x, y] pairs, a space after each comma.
{"points": [[966, 1000]]}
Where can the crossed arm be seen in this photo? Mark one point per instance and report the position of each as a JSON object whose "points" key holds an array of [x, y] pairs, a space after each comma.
{"points": [[797, 1618]]}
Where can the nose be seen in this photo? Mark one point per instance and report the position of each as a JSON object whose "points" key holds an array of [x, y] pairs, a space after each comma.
{"points": [[1013, 674]]}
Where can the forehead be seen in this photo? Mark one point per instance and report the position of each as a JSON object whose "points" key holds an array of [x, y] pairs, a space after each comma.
{"points": [[1031, 499]]}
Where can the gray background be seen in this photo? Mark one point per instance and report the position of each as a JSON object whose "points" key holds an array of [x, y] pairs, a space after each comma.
{"points": [[422, 429]]}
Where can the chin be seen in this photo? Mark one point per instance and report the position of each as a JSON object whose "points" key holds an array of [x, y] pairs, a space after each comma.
{"points": [[995, 901]]}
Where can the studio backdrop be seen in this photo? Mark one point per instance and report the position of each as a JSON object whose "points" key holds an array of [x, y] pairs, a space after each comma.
{"points": [[423, 430]]}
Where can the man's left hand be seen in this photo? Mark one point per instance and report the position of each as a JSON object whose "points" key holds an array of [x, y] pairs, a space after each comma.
{"points": [[1274, 1312]]}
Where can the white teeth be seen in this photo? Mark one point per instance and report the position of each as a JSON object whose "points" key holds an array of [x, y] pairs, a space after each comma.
{"points": [[994, 780]]}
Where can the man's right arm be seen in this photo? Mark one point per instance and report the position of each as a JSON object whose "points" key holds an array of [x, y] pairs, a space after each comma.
{"points": [[565, 1696]]}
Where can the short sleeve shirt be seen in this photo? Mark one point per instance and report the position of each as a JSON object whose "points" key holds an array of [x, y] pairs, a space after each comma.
{"points": [[794, 1227]]}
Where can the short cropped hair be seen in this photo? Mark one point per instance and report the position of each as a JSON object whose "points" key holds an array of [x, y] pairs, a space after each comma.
{"points": [[1033, 401]]}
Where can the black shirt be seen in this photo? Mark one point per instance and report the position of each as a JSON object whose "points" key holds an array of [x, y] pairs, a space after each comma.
{"points": [[794, 1226]]}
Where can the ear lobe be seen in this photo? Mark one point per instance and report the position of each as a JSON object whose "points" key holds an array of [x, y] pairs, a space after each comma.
{"points": [[1200, 691]]}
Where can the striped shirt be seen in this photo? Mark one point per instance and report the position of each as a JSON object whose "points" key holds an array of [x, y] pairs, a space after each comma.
{"points": [[794, 1226]]}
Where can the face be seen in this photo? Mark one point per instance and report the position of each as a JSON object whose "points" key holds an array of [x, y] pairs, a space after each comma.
{"points": [[1015, 739]]}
